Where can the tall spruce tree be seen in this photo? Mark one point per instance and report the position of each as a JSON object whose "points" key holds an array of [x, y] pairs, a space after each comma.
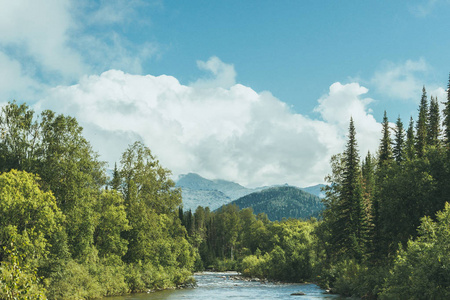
{"points": [[385, 159], [368, 179], [422, 125], [115, 182], [434, 129], [385, 152], [446, 121], [410, 141], [353, 215], [399, 141]]}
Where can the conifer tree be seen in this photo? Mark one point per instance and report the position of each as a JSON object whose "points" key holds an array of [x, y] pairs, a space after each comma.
{"points": [[422, 125], [385, 156], [115, 182], [434, 129], [410, 141], [399, 142], [368, 176], [384, 164], [353, 216], [446, 121]]}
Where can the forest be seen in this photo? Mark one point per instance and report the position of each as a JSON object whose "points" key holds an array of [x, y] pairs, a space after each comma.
{"points": [[67, 231]]}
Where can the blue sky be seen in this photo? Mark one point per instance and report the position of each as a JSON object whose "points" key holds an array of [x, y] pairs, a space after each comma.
{"points": [[259, 92]]}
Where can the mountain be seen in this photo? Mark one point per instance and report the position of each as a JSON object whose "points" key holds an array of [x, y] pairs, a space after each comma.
{"points": [[282, 202], [315, 190], [199, 191]]}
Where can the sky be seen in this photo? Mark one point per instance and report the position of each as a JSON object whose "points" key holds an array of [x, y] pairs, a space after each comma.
{"points": [[256, 92]]}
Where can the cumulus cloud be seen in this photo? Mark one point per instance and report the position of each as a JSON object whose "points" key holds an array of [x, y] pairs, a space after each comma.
{"points": [[345, 101], [222, 74], [401, 80], [232, 133], [15, 83], [38, 31], [58, 41]]}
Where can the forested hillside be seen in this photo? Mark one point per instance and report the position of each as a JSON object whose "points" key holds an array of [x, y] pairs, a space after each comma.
{"points": [[282, 202]]}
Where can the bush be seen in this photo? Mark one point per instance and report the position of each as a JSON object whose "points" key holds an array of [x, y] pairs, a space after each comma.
{"points": [[422, 271], [74, 282], [254, 266], [17, 280]]}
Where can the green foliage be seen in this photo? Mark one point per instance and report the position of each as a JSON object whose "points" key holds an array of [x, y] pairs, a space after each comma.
{"points": [[422, 125], [71, 231], [399, 141], [27, 214], [74, 282], [112, 222], [446, 121], [18, 280], [395, 202], [422, 270]]}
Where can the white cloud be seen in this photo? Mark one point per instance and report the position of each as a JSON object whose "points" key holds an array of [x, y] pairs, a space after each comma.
{"points": [[58, 41], [38, 31], [223, 75], [232, 133], [401, 80], [15, 83], [345, 101]]}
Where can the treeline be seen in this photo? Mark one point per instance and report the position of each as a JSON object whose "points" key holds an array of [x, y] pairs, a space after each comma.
{"points": [[377, 240], [66, 232], [233, 239], [385, 230]]}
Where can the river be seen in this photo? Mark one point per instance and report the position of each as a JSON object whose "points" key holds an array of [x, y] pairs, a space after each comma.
{"points": [[212, 285]]}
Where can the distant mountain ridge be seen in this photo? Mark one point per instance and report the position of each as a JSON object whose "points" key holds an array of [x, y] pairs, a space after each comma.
{"points": [[199, 191], [282, 202]]}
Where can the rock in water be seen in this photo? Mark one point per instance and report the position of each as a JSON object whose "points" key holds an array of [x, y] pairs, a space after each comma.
{"points": [[298, 294]]}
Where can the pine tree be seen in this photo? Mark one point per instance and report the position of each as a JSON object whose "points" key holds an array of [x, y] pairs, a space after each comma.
{"points": [[384, 165], [385, 155], [368, 175], [446, 121], [352, 208], [410, 141], [399, 142], [115, 182], [434, 129], [422, 125]]}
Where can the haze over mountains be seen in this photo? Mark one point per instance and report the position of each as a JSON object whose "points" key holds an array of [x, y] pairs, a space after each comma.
{"points": [[199, 191]]}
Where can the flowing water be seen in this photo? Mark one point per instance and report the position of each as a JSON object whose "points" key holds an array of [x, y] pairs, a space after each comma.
{"points": [[212, 285]]}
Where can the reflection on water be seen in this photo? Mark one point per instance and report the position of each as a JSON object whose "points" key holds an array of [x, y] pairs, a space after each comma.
{"points": [[224, 286]]}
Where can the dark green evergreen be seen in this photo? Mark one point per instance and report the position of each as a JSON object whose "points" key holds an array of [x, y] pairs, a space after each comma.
{"points": [[115, 181], [352, 219], [422, 125], [446, 121], [410, 141], [399, 142], [385, 151], [434, 124]]}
